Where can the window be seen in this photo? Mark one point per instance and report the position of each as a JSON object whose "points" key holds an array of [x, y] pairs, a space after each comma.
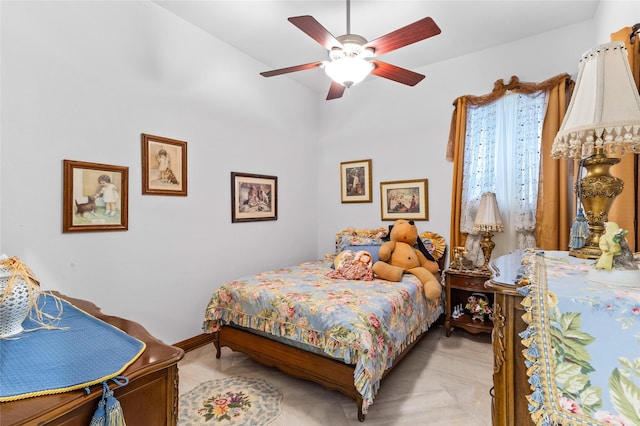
{"points": [[502, 155]]}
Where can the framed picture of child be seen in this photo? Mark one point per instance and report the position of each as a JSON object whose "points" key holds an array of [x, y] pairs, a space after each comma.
{"points": [[355, 181], [253, 197], [164, 166], [405, 199], [95, 197]]}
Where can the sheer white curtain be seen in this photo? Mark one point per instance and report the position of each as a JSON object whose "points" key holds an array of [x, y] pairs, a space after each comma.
{"points": [[502, 155]]}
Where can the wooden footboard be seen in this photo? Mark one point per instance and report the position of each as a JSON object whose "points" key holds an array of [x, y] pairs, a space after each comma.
{"points": [[331, 374]]}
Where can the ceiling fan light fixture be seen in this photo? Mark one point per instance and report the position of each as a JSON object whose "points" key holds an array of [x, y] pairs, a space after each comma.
{"points": [[347, 70]]}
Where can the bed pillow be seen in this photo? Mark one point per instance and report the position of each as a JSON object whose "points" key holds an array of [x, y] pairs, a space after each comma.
{"points": [[371, 240], [434, 243], [359, 237]]}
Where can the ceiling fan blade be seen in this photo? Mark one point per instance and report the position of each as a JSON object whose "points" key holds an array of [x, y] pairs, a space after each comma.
{"points": [[335, 91], [315, 30], [291, 69], [392, 72], [404, 36]]}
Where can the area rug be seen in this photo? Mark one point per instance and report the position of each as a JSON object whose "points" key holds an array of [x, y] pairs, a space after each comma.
{"points": [[230, 401]]}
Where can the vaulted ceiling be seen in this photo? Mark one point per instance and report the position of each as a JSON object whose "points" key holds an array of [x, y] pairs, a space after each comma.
{"points": [[260, 28]]}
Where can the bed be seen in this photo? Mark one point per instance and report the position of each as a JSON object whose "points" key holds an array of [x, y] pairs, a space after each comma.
{"points": [[343, 334]]}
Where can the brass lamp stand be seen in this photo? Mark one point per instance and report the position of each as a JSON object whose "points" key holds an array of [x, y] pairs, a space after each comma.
{"points": [[599, 189], [487, 245], [487, 221]]}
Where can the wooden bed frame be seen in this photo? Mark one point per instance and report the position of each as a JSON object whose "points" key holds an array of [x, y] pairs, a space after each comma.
{"points": [[330, 373]]}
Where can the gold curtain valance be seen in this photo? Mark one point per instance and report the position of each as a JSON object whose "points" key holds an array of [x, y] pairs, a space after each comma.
{"points": [[499, 90]]}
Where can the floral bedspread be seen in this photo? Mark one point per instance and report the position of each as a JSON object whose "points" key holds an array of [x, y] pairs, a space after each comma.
{"points": [[583, 344], [365, 323]]}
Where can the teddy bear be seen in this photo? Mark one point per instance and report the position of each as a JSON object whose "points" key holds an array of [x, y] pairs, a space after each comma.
{"points": [[398, 256]]}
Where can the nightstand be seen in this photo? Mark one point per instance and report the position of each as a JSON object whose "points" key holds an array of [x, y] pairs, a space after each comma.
{"points": [[459, 285]]}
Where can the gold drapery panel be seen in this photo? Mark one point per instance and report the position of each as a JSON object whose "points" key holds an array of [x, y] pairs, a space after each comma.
{"points": [[625, 209], [555, 209], [458, 131], [553, 202]]}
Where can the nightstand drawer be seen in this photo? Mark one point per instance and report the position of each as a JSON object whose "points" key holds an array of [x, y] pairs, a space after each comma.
{"points": [[461, 281]]}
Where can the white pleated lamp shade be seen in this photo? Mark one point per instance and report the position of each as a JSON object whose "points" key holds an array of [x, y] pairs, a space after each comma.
{"points": [[488, 217], [604, 111]]}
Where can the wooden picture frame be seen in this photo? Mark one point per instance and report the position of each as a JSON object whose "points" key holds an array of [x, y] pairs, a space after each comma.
{"points": [[355, 181], [405, 199], [253, 197], [164, 166], [95, 197]]}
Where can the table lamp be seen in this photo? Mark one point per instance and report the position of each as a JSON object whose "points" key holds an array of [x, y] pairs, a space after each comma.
{"points": [[488, 221], [603, 118]]}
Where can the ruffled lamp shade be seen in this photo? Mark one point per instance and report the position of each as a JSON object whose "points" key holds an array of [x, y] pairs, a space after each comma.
{"points": [[488, 221]]}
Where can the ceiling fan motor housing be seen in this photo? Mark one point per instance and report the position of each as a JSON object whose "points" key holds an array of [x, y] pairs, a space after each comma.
{"points": [[351, 47]]}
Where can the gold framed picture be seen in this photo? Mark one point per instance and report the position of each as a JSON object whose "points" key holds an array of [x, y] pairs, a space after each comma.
{"points": [[95, 197], [164, 166], [355, 181], [253, 197], [404, 199]]}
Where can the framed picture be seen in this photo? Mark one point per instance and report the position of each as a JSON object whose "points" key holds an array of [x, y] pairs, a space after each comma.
{"points": [[404, 199], [164, 166], [95, 197], [253, 197], [355, 181]]}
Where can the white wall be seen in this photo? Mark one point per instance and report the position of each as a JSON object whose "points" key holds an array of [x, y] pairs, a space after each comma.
{"points": [[612, 16], [82, 81]]}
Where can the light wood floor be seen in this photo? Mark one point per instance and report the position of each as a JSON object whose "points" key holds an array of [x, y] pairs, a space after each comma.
{"points": [[442, 381]]}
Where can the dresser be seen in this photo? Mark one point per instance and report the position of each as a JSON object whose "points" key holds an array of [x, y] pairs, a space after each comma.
{"points": [[150, 398], [509, 405]]}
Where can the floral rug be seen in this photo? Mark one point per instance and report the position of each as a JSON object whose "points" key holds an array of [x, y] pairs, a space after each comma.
{"points": [[230, 401]]}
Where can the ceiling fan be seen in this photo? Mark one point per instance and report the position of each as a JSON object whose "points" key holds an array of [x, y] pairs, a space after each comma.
{"points": [[350, 54]]}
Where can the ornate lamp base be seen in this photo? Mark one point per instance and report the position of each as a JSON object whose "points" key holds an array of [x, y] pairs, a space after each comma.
{"points": [[487, 246], [599, 189], [586, 252]]}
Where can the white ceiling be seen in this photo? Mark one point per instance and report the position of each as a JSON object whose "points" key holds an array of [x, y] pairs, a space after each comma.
{"points": [[260, 28]]}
